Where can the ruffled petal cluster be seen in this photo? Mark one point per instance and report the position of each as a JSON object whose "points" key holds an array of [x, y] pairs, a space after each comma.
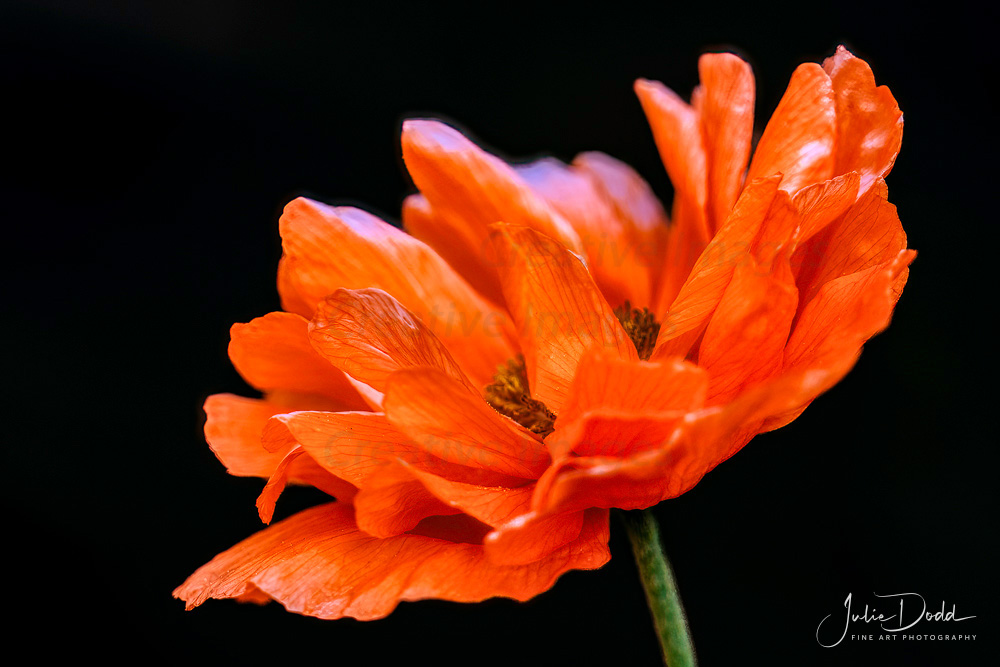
{"points": [[651, 351]]}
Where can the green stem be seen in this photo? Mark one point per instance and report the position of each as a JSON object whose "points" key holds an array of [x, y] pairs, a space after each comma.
{"points": [[661, 589]]}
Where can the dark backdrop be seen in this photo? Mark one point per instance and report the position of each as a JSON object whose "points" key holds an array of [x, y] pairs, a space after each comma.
{"points": [[148, 151]]}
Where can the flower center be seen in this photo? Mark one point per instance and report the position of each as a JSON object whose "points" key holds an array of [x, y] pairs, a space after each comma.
{"points": [[641, 326], [510, 397]]}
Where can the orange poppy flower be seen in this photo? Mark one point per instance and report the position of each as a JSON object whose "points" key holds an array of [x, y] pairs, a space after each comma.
{"points": [[543, 346]]}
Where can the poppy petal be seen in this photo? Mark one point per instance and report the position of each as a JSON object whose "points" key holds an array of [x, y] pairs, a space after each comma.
{"points": [[455, 242], [369, 335], [480, 189], [867, 235], [799, 139], [558, 310], [393, 502], [713, 271], [725, 108], [327, 248], [612, 432], [318, 563], [234, 430], [273, 353], [448, 421], [606, 382], [531, 537], [745, 339], [577, 197], [869, 122], [676, 130]]}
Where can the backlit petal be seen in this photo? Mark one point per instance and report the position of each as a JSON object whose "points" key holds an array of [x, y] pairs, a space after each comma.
{"points": [[328, 248], [558, 310], [446, 420], [273, 353], [726, 111], [480, 189], [800, 137], [369, 335], [869, 122], [318, 563]]}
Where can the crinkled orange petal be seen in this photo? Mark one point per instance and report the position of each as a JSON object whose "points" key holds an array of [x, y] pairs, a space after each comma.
{"points": [[455, 242], [393, 502], [351, 445], [448, 421], [355, 445], [273, 353], [614, 256], [559, 312], [745, 339], [369, 335], [711, 274], [833, 326], [276, 484], [459, 178], [531, 537], [234, 430], [845, 313], [518, 538], [701, 441], [676, 130], [645, 222], [867, 235], [799, 140], [869, 122], [725, 108], [613, 432], [607, 382], [318, 563], [493, 505], [795, 218], [327, 248]]}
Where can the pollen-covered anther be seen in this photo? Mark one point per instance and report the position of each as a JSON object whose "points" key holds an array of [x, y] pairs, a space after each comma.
{"points": [[641, 326], [510, 397]]}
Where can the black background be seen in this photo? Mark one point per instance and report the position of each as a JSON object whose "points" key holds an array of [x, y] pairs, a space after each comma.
{"points": [[148, 151]]}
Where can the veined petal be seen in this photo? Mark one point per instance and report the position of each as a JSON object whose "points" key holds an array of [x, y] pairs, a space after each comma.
{"points": [[327, 248], [446, 420], [725, 108], [867, 235], [273, 353], [746, 336], [869, 122], [318, 563], [558, 310], [234, 431], [393, 501], [845, 313], [799, 139], [531, 537], [676, 129], [643, 387], [351, 445], [458, 177], [713, 271], [456, 243], [613, 432], [609, 249], [369, 335]]}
